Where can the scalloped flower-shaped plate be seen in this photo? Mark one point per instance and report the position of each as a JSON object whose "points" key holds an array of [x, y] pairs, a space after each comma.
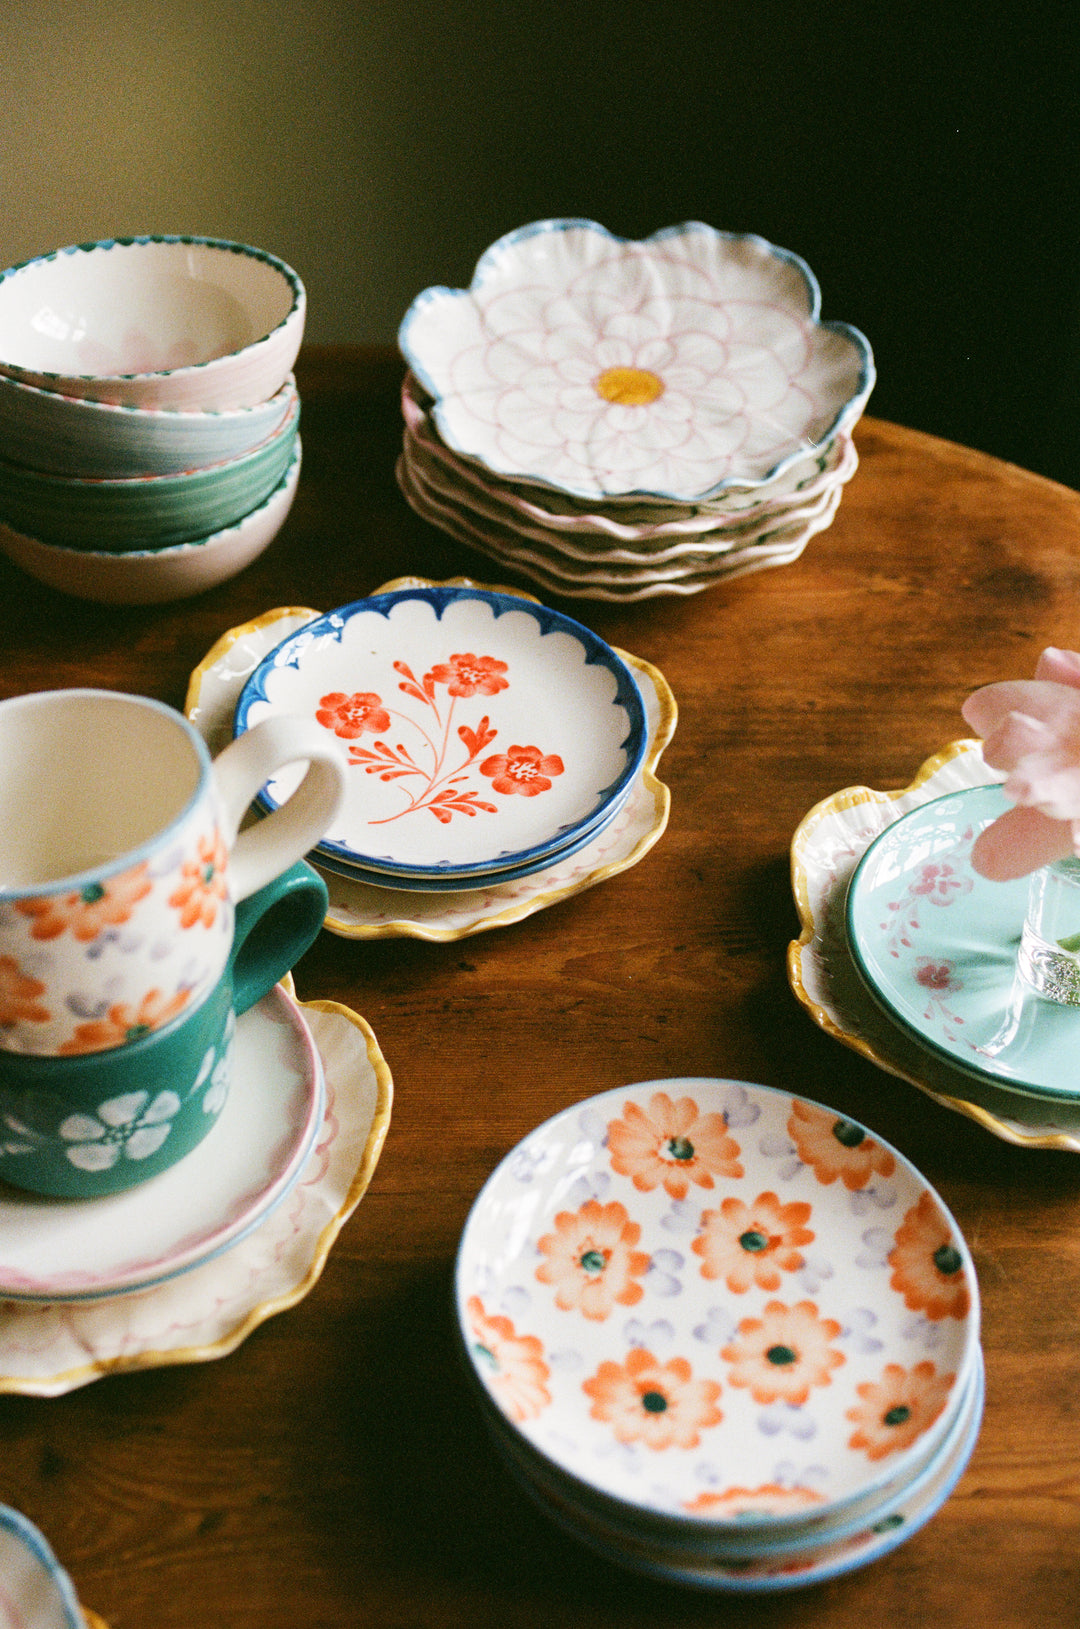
{"points": [[674, 366]]}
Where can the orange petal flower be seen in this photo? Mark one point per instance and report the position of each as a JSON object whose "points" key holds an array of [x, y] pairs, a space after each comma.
{"points": [[123, 1024], [88, 911], [753, 1244], [591, 1259], [350, 716], [928, 1270], [769, 1499], [469, 675], [19, 993], [516, 1372], [658, 1404], [834, 1147], [670, 1143], [524, 770], [202, 884], [784, 1353], [898, 1408]]}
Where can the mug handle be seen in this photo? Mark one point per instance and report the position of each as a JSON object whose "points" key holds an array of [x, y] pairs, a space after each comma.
{"points": [[274, 927], [270, 846]]}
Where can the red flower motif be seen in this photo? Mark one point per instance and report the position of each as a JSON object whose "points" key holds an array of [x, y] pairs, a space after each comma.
{"points": [[934, 975], [522, 769], [350, 716], [469, 675]]}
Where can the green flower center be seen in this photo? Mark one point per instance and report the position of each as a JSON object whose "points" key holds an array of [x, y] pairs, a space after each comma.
{"points": [[781, 1356], [135, 1032], [593, 1261], [947, 1259], [753, 1240], [848, 1134], [92, 893], [898, 1415], [653, 1402], [680, 1148]]}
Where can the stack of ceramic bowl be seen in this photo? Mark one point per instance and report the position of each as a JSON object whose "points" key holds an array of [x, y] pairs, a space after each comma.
{"points": [[149, 419], [619, 420], [489, 737], [723, 1335]]}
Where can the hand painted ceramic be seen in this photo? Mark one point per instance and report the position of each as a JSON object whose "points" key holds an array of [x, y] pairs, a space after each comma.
{"points": [[99, 1121], [674, 366], [73, 435], [358, 910], [154, 576], [937, 946], [146, 511], [679, 1278], [826, 846], [483, 730], [122, 864], [49, 1348], [35, 1590], [146, 1235], [163, 321]]}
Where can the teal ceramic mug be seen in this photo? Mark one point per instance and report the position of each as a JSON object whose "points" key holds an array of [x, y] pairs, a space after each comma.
{"points": [[86, 1124]]}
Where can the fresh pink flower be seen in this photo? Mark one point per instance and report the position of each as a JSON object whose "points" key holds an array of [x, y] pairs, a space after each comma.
{"points": [[1031, 731]]}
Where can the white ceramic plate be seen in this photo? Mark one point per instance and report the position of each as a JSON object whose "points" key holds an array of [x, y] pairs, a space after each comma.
{"points": [[360, 911], [682, 1287], [57, 1250], [673, 366], [482, 729], [35, 1591], [47, 1348], [826, 847]]}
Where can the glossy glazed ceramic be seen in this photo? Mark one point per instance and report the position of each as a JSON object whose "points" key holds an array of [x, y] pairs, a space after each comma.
{"points": [[154, 576], [35, 1590], [159, 321], [672, 366]]}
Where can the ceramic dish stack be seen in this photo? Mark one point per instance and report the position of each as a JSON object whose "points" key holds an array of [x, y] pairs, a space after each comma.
{"points": [[619, 420], [488, 736], [721, 1334], [149, 418]]}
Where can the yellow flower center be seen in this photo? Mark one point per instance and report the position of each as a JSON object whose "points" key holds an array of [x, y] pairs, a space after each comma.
{"points": [[629, 387]]}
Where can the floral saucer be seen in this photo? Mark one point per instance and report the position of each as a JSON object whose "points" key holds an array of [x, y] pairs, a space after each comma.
{"points": [[35, 1591], [47, 1348], [674, 366], [362, 911], [680, 1290], [57, 1250], [825, 849]]}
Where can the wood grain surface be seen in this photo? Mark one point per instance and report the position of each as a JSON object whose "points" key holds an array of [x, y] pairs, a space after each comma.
{"points": [[333, 1471]]}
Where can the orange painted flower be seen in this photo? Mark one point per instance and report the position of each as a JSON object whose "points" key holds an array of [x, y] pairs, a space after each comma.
{"points": [[88, 911], [362, 713], [469, 675], [753, 1244], [928, 1270], [671, 1144], [658, 1404], [525, 770], [770, 1499], [834, 1147], [19, 996], [515, 1369], [123, 1024], [591, 1259], [898, 1408], [784, 1353], [202, 884]]}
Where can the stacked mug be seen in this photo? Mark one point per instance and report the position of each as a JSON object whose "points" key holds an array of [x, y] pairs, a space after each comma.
{"points": [[149, 417], [137, 921]]}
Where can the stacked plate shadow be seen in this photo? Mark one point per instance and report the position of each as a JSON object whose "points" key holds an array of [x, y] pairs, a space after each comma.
{"points": [[149, 418], [490, 737], [722, 1335], [623, 419]]}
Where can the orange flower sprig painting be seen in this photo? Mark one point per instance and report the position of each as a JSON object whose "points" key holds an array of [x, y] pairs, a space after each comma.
{"points": [[440, 778]]}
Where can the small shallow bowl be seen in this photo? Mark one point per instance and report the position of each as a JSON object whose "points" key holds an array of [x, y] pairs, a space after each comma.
{"points": [[158, 321], [154, 576], [145, 511], [73, 435], [673, 367], [35, 1591], [727, 1316], [483, 730]]}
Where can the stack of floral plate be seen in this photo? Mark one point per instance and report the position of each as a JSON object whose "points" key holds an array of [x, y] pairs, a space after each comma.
{"points": [[489, 736], [622, 419], [721, 1334]]}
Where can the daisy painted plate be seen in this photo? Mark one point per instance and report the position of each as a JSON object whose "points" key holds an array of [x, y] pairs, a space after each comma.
{"points": [[673, 367], [48, 1348], [362, 911], [684, 1288]]}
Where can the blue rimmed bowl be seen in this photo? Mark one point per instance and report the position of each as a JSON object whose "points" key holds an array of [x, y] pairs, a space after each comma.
{"points": [[35, 1591]]}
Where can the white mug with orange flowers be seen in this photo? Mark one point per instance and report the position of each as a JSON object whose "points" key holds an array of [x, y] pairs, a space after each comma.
{"points": [[122, 859]]}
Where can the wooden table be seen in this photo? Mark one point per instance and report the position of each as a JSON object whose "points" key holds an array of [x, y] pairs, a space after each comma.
{"points": [[333, 1470]]}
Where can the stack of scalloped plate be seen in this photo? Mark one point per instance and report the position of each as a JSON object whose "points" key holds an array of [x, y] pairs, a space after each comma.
{"points": [[621, 419], [721, 1334]]}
